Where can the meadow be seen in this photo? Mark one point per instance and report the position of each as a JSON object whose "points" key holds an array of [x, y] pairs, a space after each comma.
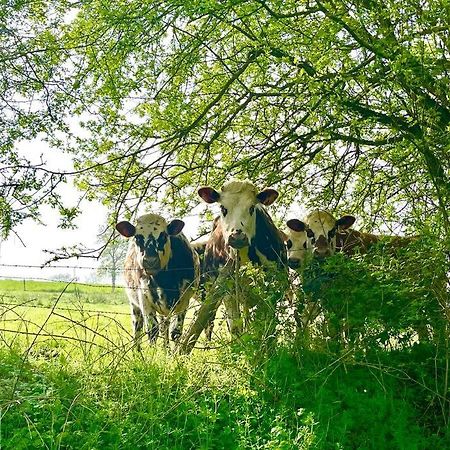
{"points": [[70, 378]]}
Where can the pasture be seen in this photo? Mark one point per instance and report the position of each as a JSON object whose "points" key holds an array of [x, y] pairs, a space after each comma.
{"points": [[70, 379]]}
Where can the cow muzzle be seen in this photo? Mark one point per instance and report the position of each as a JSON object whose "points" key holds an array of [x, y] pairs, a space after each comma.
{"points": [[151, 264], [238, 240], [294, 263], [321, 252]]}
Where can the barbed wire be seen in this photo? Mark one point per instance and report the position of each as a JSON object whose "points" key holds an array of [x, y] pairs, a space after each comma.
{"points": [[117, 269], [76, 283], [79, 310]]}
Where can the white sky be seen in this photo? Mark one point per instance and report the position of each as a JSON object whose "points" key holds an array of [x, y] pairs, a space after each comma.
{"points": [[26, 246]]}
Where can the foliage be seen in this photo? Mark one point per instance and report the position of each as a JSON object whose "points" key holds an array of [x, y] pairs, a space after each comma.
{"points": [[334, 103], [211, 401], [388, 295]]}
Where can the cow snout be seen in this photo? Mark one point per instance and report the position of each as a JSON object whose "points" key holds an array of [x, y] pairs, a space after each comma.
{"points": [[152, 264], [321, 248], [321, 252], [294, 263], [238, 239]]}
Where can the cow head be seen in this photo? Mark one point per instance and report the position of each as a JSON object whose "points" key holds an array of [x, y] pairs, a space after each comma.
{"points": [[151, 238], [238, 201], [321, 229], [296, 243]]}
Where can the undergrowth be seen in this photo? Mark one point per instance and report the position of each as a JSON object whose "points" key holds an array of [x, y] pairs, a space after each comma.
{"points": [[360, 378], [215, 400]]}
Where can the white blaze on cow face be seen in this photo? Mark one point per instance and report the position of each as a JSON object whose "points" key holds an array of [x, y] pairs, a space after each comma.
{"points": [[296, 243], [321, 231], [238, 201], [151, 240]]}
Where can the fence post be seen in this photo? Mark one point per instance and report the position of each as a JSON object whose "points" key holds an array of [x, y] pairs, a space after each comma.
{"points": [[24, 286]]}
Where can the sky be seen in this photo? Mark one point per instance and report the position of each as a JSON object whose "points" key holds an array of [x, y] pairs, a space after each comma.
{"points": [[26, 246]]}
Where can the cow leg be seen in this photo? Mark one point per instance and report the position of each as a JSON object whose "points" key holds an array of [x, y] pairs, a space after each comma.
{"points": [[138, 323], [210, 326], [164, 328], [176, 328], [152, 326], [150, 319]]}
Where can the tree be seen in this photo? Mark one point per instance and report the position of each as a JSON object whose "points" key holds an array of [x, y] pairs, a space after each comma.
{"points": [[32, 101], [336, 103], [112, 256]]}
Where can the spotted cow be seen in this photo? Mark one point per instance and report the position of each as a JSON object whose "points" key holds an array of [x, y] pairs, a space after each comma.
{"points": [[244, 233], [320, 235], [161, 274]]}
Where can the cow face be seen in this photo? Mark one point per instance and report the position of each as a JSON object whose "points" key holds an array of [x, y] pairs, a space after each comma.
{"points": [[296, 243], [151, 239], [321, 231], [238, 201]]}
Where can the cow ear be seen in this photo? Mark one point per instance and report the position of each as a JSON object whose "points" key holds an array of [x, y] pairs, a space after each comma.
{"points": [[267, 196], [345, 222], [208, 194], [126, 229], [175, 227], [296, 225]]}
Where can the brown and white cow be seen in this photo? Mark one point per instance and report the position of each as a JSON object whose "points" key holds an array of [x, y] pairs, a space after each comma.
{"points": [[318, 235], [321, 235], [161, 274], [243, 233]]}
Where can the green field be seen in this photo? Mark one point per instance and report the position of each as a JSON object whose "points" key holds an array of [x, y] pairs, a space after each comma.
{"points": [[46, 292], [69, 378]]}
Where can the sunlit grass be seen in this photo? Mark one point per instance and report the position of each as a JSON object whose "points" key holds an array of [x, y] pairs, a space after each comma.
{"points": [[71, 378]]}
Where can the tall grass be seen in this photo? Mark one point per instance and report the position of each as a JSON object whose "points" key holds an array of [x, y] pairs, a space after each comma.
{"points": [[358, 380]]}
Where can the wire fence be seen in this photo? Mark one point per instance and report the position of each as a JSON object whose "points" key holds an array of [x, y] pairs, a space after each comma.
{"points": [[16, 320]]}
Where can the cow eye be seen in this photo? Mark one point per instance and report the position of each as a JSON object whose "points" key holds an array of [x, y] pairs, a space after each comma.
{"points": [[224, 210], [288, 243], [309, 233], [332, 232], [304, 244], [251, 210]]}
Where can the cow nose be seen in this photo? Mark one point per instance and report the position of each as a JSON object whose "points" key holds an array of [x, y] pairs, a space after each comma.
{"points": [[293, 263], [238, 239], [151, 263], [321, 252]]}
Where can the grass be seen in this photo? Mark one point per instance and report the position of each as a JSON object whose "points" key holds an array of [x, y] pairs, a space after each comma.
{"points": [[79, 385], [45, 292]]}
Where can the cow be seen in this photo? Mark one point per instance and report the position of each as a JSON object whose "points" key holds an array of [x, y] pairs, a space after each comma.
{"points": [[320, 236], [161, 274], [244, 233]]}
